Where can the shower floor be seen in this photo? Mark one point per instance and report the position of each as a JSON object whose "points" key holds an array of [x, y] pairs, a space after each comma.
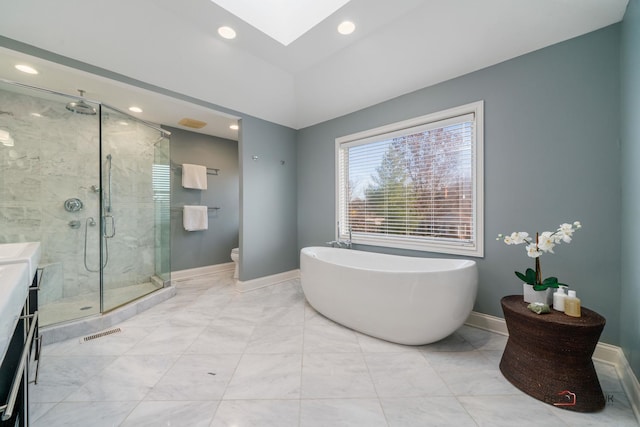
{"points": [[89, 304]]}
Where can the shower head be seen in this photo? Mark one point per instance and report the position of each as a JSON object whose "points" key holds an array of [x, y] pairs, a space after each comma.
{"points": [[81, 107]]}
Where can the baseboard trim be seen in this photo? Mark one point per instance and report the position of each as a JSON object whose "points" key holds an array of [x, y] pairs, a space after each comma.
{"points": [[605, 353], [201, 271], [488, 323], [262, 282], [629, 383]]}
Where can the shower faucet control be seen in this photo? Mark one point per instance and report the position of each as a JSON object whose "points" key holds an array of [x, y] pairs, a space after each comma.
{"points": [[73, 205]]}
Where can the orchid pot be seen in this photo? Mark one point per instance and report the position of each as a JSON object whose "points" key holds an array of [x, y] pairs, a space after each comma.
{"points": [[535, 288], [531, 295]]}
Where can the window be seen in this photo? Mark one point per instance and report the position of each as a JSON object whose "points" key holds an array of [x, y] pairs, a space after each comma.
{"points": [[415, 184]]}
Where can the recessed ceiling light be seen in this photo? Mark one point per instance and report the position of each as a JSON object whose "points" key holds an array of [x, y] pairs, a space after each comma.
{"points": [[36, 114], [26, 69], [135, 109], [227, 32], [234, 127], [123, 123], [346, 28]]}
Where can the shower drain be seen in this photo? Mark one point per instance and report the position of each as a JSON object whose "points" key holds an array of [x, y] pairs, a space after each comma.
{"points": [[101, 334], [85, 307]]}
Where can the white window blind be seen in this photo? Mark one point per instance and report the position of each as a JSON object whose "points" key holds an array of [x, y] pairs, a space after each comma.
{"points": [[413, 184], [161, 183]]}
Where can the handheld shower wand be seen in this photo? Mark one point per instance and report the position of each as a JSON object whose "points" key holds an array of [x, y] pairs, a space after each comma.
{"points": [[107, 205], [107, 201]]}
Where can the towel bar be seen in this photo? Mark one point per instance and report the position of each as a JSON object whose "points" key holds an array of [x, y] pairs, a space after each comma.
{"points": [[7, 409], [211, 208], [210, 171]]}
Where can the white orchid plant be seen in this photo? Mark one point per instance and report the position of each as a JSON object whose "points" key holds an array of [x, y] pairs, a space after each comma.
{"points": [[544, 243]]}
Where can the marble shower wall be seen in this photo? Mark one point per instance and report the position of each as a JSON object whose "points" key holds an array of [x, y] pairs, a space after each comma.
{"points": [[55, 156]]}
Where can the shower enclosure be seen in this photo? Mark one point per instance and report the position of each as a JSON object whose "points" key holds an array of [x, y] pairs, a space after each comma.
{"points": [[92, 185]]}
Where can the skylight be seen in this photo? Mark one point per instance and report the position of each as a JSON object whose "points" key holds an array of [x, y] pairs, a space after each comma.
{"points": [[282, 20]]}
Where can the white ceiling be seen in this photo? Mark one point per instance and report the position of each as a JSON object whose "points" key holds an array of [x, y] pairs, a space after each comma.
{"points": [[399, 46], [282, 20], [157, 109]]}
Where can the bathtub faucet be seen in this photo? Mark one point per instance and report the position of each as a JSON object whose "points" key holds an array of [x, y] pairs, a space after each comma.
{"points": [[341, 243], [347, 243]]}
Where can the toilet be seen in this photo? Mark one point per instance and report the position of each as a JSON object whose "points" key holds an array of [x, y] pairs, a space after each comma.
{"points": [[235, 257]]}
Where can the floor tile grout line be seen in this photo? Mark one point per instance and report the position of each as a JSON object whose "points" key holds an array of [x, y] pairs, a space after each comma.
{"points": [[373, 382], [424, 355], [131, 412]]}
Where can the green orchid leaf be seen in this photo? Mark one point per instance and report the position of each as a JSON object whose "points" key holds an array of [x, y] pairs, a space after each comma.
{"points": [[551, 282], [540, 287], [527, 278], [531, 275], [521, 276]]}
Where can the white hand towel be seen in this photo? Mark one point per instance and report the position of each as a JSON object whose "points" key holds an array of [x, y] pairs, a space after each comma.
{"points": [[194, 176], [195, 218]]}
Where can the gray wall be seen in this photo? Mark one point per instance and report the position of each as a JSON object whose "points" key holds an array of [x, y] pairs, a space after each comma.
{"points": [[268, 199], [630, 81], [257, 197], [191, 249], [551, 156]]}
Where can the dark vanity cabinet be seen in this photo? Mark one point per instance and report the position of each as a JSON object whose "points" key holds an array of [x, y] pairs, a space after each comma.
{"points": [[23, 350]]}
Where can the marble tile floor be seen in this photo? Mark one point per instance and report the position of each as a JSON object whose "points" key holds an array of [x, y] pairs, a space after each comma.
{"points": [[214, 357], [72, 308]]}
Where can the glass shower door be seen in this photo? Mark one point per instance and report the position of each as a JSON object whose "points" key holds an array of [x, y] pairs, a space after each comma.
{"points": [[135, 158], [49, 192]]}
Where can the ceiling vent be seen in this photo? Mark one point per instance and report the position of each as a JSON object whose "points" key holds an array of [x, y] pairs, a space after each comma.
{"points": [[192, 123]]}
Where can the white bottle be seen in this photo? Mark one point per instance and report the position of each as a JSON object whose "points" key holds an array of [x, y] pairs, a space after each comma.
{"points": [[572, 305], [558, 299]]}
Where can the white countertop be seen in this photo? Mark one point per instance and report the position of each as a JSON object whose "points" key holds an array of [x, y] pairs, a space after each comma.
{"points": [[24, 252], [14, 287]]}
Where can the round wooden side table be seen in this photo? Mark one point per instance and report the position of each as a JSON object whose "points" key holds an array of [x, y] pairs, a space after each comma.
{"points": [[548, 356]]}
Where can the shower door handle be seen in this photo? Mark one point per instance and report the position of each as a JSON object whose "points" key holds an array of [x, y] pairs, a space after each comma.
{"points": [[112, 229]]}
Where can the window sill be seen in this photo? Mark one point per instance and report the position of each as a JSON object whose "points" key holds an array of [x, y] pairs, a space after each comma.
{"points": [[469, 250]]}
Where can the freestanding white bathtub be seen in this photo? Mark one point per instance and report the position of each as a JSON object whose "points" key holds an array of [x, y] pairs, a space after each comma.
{"points": [[405, 300]]}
